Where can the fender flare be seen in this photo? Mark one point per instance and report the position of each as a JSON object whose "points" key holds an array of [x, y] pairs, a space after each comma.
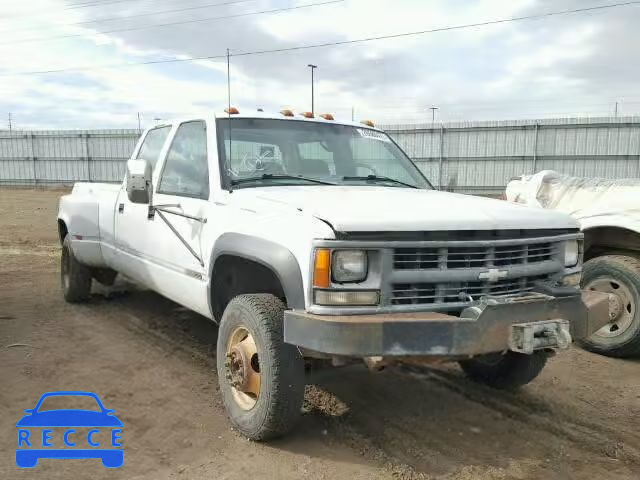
{"points": [[275, 257]]}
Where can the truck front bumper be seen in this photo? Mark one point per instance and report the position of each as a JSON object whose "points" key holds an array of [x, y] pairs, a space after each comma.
{"points": [[491, 325]]}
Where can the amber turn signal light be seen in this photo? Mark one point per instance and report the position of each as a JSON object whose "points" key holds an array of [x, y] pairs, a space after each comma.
{"points": [[321, 268]]}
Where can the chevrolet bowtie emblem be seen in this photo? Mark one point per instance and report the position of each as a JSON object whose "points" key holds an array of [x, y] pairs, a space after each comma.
{"points": [[493, 275]]}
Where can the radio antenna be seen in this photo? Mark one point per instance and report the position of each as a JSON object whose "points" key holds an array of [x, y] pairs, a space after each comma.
{"points": [[229, 113]]}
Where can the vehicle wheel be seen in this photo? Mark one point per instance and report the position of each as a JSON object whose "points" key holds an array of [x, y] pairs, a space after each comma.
{"points": [[261, 378], [75, 277], [506, 372], [619, 275]]}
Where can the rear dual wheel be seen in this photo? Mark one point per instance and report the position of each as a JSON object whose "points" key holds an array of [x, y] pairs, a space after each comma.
{"points": [[75, 278], [261, 377]]}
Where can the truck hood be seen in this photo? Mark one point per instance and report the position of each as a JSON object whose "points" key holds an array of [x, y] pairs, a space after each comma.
{"points": [[378, 208]]}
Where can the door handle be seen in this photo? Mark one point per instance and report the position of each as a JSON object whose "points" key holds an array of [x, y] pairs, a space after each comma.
{"points": [[121, 208]]}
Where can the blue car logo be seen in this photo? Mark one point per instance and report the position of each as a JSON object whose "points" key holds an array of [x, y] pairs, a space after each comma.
{"points": [[104, 431]]}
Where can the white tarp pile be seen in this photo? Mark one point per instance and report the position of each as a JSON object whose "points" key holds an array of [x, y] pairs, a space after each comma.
{"points": [[592, 201]]}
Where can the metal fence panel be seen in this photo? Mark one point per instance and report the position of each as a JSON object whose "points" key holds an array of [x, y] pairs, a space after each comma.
{"points": [[473, 157], [52, 157], [481, 157]]}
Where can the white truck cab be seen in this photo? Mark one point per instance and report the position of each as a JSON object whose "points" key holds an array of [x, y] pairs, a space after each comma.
{"points": [[308, 238]]}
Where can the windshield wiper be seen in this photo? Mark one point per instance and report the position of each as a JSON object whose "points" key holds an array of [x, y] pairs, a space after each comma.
{"points": [[270, 176], [379, 178]]}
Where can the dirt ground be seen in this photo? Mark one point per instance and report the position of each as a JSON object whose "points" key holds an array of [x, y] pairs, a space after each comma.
{"points": [[154, 363]]}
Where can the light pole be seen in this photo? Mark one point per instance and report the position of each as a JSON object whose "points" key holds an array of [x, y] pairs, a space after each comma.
{"points": [[433, 114], [312, 67]]}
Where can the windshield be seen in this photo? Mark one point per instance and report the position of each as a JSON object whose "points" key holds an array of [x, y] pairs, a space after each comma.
{"points": [[265, 152]]}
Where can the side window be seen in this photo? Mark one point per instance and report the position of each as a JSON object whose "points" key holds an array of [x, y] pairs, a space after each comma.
{"points": [[152, 144], [186, 169]]}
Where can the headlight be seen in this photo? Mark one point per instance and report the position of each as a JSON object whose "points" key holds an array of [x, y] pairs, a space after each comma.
{"points": [[571, 253], [349, 265]]}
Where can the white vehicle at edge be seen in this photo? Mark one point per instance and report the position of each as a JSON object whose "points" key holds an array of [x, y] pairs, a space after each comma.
{"points": [[307, 238], [608, 214]]}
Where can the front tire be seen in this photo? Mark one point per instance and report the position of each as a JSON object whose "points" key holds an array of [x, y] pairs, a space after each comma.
{"points": [[618, 275], [261, 378], [74, 276], [505, 372]]}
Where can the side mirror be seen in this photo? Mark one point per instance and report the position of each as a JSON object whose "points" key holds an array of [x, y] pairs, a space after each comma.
{"points": [[139, 186]]}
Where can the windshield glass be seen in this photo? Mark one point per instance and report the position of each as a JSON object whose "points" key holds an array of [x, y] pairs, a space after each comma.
{"points": [[266, 152]]}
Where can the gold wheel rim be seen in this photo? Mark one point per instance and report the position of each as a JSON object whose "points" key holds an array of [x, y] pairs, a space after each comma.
{"points": [[242, 368]]}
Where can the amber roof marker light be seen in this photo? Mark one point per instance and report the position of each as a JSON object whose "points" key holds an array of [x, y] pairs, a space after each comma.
{"points": [[231, 111], [368, 123], [286, 112], [307, 114], [326, 116]]}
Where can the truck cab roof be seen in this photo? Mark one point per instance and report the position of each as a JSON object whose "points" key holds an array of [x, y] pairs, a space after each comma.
{"points": [[297, 117]]}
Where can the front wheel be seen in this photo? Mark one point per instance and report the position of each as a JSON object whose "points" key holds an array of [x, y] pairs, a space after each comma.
{"points": [[505, 372], [261, 378]]}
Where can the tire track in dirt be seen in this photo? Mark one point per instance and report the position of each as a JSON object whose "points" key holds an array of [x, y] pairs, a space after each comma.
{"points": [[586, 434], [440, 423]]}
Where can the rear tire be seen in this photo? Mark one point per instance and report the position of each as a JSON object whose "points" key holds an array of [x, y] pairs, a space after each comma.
{"points": [[75, 277], [620, 275], [278, 365], [505, 372]]}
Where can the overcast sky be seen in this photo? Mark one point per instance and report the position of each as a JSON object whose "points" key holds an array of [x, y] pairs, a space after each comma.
{"points": [[574, 65]]}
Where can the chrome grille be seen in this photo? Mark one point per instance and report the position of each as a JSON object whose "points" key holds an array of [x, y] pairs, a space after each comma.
{"points": [[431, 258], [448, 274], [427, 293]]}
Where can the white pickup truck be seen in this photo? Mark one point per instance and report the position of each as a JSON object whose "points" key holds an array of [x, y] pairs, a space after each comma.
{"points": [[309, 240]]}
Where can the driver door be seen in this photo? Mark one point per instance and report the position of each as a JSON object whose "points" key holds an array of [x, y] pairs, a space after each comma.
{"points": [[131, 227], [170, 237]]}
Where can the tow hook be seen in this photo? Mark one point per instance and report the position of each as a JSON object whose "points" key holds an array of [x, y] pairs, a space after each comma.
{"points": [[529, 337]]}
